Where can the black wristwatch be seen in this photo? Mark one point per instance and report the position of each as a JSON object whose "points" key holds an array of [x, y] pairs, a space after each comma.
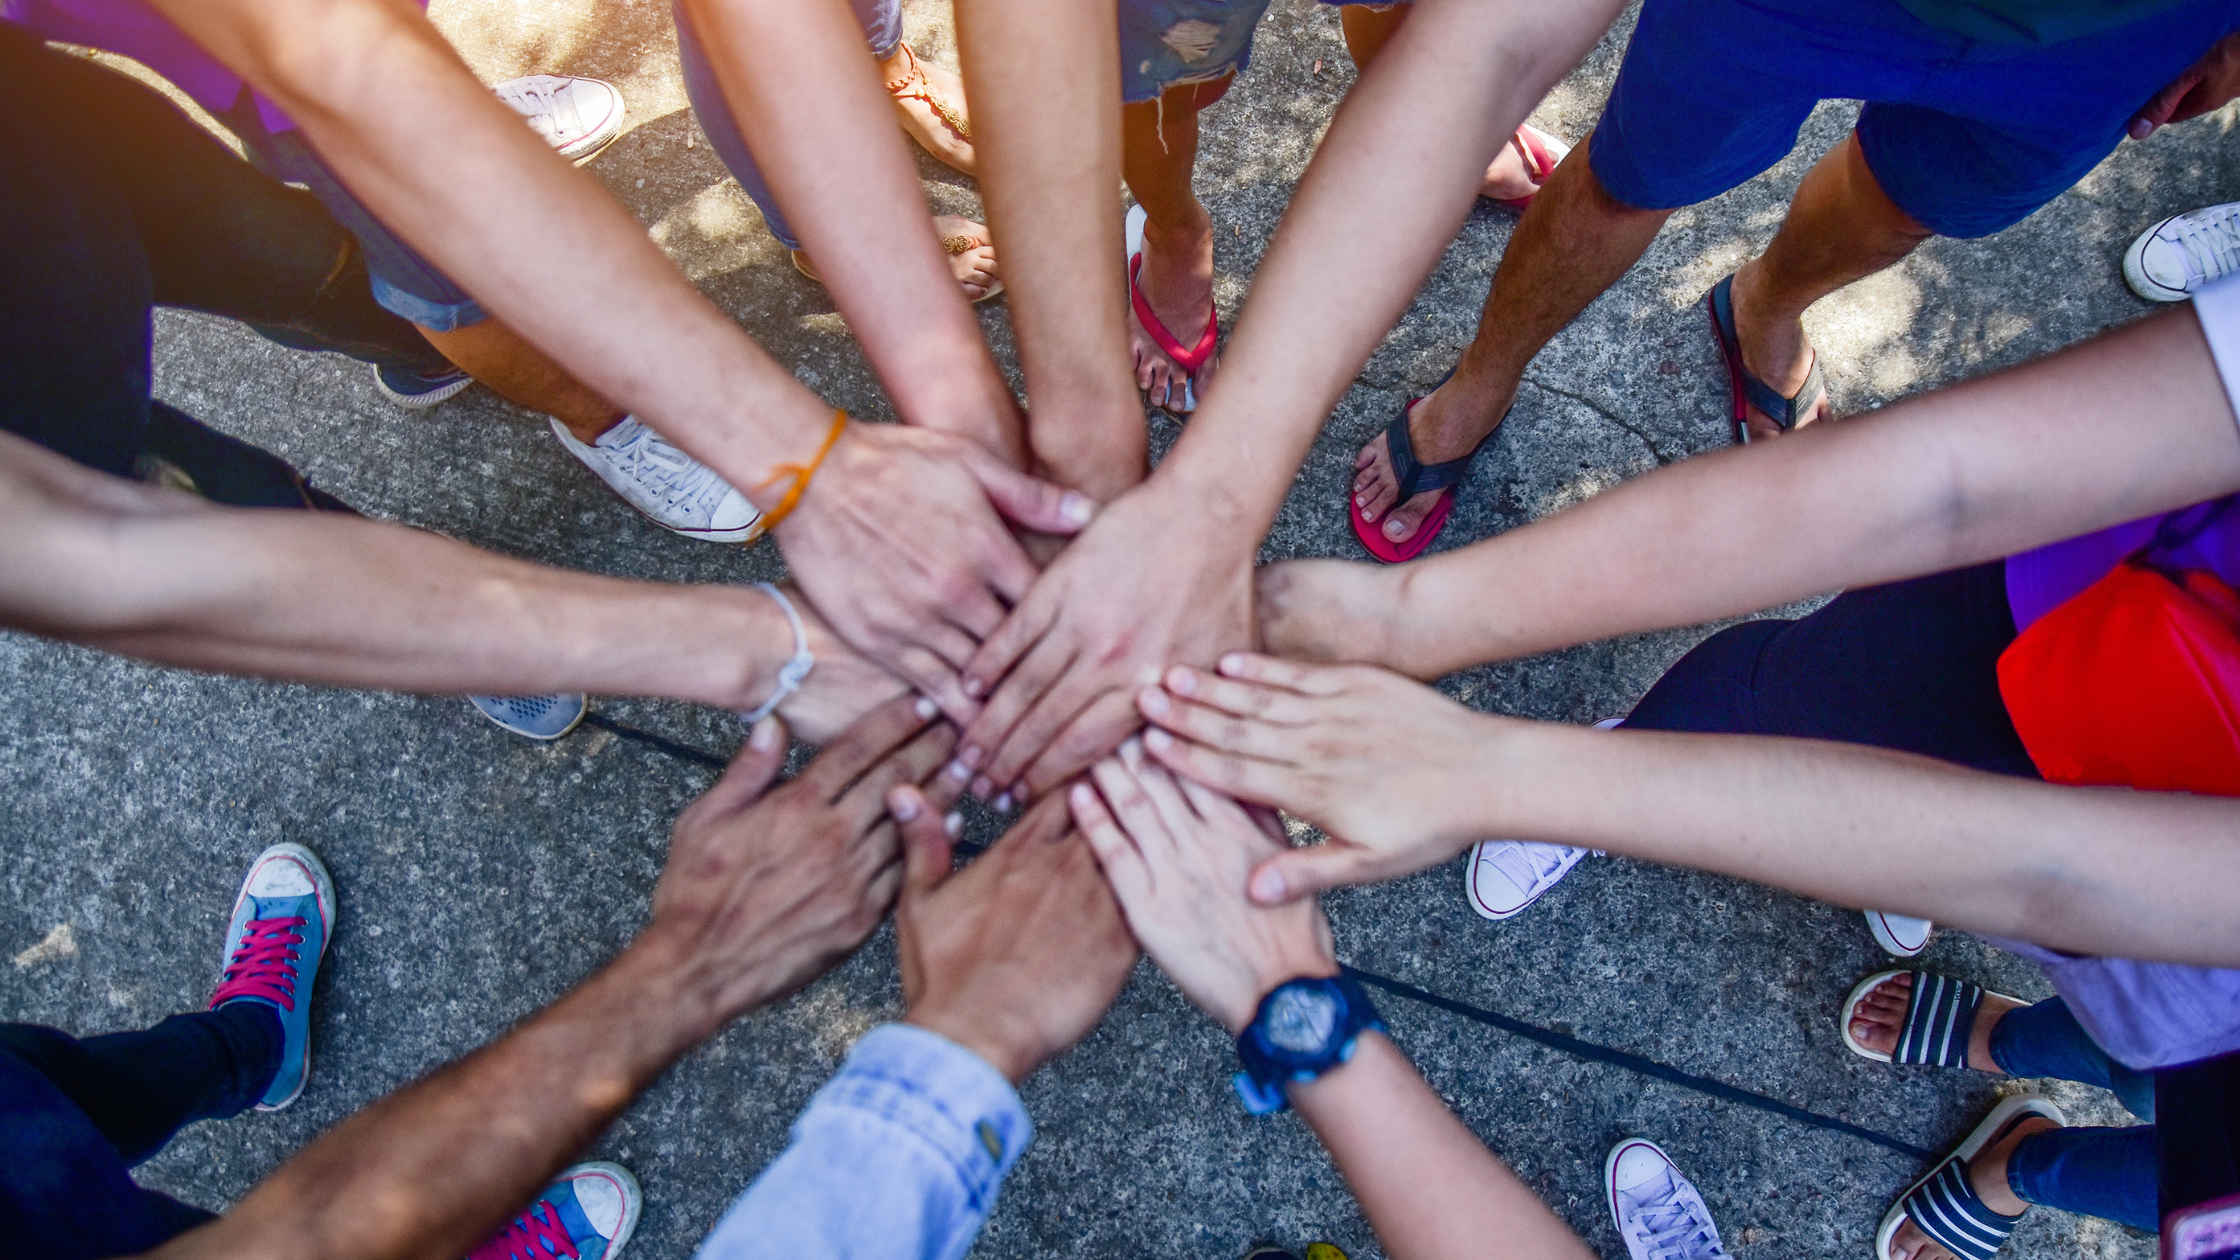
{"points": [[1304, 1027]]}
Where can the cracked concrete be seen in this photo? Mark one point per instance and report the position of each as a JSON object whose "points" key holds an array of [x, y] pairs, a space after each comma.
{"points": [[481, 876]]}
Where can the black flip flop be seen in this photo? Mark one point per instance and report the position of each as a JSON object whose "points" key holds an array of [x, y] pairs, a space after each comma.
{"points": [[1413, 476], [1749, 391]]}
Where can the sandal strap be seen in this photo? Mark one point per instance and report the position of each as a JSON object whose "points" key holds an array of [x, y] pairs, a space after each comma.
{"points": [[1191, 359], [1538, 163], [915, 86], [1410, 474], [1940, 1019], [1946, 1207], [1783, 410]]}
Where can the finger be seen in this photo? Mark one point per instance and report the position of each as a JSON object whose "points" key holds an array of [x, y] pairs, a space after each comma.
{"points": [[1220, 809], [1042, 506], [1158, 785], [975, 614], [750, 773], [1267, 820], [1036, 732], [948, 641], [1246, 778], [861, 746], [867, 799], [1022, 689], [942, 787], [928, 851], [1116, 852], [1297, 873], [1097, 731], [929, 675], [1274, 671], [1124, 795], [1044, 822], [1248, 737], [1257, 701], [1002, 650]]}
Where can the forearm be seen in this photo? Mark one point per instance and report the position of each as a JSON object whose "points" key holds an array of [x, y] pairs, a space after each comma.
{"points": [[1406, 153], [436, 1167], [2143, 875], [2049, 450], [807, 98], [1044, 80], [1427, 1185], [373, 86]]}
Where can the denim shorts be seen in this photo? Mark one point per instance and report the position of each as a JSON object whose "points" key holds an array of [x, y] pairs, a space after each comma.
{"points": [[1967, 137], [1173, 43], [404, 283]]}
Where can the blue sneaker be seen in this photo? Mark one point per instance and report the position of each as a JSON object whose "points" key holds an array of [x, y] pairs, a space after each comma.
{"points": [[417, 391], [281, 922], [533, 717], [588, 1213]]}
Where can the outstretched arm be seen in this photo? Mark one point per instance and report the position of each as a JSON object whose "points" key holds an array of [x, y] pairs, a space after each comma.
{"points": [[2128, 424], [1407, 153], [761, 895], [1403, 778], [897, 539], [321, 597], [1177, 855]]}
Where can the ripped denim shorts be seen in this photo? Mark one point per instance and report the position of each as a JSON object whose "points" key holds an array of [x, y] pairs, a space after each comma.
{"points": [[1172, 43]]}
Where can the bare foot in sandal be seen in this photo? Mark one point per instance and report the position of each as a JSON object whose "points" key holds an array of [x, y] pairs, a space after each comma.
{"points": [[930, 99], [1881, 1015], [1517, 172], [972, 257], [1987, 1173], [1176, 281]]}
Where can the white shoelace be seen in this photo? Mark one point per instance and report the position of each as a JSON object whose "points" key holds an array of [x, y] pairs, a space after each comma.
{"points": [[1528, 863], [536, 99], [667, 473], [2210, 243], [1676, 1231]]}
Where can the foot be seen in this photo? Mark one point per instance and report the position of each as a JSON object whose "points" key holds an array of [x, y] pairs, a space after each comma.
{"points": [[1657, 1210], [930, 99], [1514, 175], [1506, 876], [282, 920], [417, 391], [533, 717], [972, 257], [588, 1212], [1177, 283], [1881, 1015], [1444, 424], [578, 117], [1988, 1173], [1775, 351], [2170, 261], [669, 487]]}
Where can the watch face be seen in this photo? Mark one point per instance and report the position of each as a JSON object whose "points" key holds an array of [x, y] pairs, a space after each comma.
{"points": [[1301, 1019]]}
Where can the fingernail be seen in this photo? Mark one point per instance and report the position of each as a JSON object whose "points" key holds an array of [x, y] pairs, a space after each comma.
{"points": [[959, 771], [1131, 750], [972, 755], [1267, 886], [1157, 740], [981, 787], [1002, 804], [1080, 796], [1076, 508], [973, 687], [1182, 680], [764, 737], [1153, 702], [954, 825], [926, 709], [1233, 664], [903, 805]]}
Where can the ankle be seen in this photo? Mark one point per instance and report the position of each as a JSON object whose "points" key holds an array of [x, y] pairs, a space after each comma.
{"points": [[1988, 1171], [1180, 233], [588, 430]]}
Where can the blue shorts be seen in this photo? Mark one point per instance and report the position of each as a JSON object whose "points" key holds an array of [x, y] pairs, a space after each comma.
{"points": [[1967, 137], [1174, 43], [404, 283]]}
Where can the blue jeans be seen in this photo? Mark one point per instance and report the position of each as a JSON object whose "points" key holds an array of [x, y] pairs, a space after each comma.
{"points": [[76, 1116], [2108, 1173]]}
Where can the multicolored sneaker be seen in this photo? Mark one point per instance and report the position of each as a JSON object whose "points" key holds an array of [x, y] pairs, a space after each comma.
{"points": [[533, 717], [418, 391], [588, 1213], [281, 923]]}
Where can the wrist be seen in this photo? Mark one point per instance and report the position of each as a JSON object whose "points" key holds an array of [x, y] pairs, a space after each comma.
{"points": [[647, 996], [1301, 962], [1011, 1051]]}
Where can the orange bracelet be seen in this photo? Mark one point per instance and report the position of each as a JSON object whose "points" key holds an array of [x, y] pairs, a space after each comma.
{"points": [[801, 473]]}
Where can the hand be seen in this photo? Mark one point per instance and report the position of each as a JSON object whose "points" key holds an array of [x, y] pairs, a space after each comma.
{"points": [[2206, 85], [899, 544], [1017, 956], [1122, 603], [764, 892], [843, 687], [1329, 610], [1395, 772], [1178, 854]]}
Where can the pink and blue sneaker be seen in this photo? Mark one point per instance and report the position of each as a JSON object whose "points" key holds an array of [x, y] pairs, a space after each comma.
{"points": [[281, 923], [588, 1213]]}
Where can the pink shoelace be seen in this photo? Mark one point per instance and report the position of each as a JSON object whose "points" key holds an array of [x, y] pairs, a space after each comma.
{"points": [[519, 1240], [264, 964]]}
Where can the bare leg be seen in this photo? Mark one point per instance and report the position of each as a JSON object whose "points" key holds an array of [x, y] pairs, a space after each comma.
{"points": [[1573, 243], [1366, 30], [1841, 227], [1159, 148], [523, 375]]}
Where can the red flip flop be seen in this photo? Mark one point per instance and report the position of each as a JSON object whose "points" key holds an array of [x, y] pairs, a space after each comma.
{"points": [[1191, 360], [1538, 162], [1414, 477]]}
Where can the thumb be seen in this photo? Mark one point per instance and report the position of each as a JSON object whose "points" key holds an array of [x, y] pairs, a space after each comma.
{"points": [[2161, 106], [1030, 502], [751, 771], [927, 849], [1300, 873]]}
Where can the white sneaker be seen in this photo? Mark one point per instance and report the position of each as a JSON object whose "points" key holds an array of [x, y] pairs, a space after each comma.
{"points": [[2173, 259], [1658, 1211], [576, 116], [1505, 876], [671, 488], [1899, 935]]}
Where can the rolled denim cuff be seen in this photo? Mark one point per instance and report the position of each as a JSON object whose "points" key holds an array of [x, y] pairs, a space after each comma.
{"points": [[943, 1094]]}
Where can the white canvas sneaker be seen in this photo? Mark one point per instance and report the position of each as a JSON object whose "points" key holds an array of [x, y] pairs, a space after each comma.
{"points": [[1657, 1210], [1899, 935], [2173, 259], [576, 116], [1505, 876], [671, 488]]}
